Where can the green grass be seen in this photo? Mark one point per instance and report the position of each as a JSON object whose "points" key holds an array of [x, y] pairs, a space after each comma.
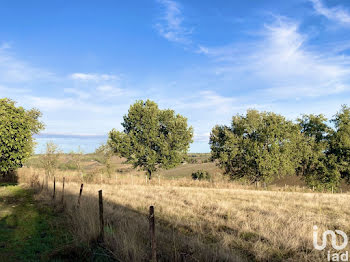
{"points": [[28, 232], [187, 170]]}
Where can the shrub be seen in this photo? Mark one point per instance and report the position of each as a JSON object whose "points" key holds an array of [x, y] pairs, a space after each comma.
{"points": [[201, 175], [192, 161]]}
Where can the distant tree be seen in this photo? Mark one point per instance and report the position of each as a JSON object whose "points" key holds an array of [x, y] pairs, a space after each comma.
{"points": [[318, 167], [17, 127], [152, 138], [77, 159], [50, 160], [339, 149], [259, 146], [105, 154]]}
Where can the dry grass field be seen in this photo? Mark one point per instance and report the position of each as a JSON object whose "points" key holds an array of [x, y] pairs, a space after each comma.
{"points": [[199, 220]]}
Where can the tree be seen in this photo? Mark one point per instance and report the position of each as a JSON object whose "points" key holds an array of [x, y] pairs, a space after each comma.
{"points": [[152, 138], [340, 142], [105, 154], [259, 146], [318, 167], [77, 159], [17, 127], [50, 160], [315, 126]]}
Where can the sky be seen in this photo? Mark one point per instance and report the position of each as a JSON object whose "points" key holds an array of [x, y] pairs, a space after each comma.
{"points": [[83, 63]]}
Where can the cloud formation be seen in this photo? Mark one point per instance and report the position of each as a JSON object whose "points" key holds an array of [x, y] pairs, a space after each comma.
{"points": [[282, 60], [171, 25], [337, 14], [93, 77], [14, 70]]}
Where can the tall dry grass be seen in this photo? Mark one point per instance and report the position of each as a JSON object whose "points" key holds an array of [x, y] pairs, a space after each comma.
{"points": [[201, 221]]}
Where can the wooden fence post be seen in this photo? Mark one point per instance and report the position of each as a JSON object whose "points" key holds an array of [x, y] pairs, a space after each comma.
{"points": [[100, 202], [152, 231], [63, 190], [81, 191], [54, 188]]}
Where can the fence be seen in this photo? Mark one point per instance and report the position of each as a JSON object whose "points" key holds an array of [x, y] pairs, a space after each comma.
{"points": [[151, 218]]}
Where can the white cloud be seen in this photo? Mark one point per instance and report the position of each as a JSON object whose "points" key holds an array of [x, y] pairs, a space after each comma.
{"points": [[337, 13], [49, 103], [210, 99], [171, 25], [77, 92], [5, 45], [94, 77], [72, 105], [201, 137], [283, 62], [14, 70], [7, 90], [111, 91]]}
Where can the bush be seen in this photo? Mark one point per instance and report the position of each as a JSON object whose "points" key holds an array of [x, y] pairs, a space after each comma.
{"points": [[201, 175], [192, 161], [69, 165]]}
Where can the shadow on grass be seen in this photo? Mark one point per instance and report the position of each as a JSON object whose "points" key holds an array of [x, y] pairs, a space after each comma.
{"points": [[29, 232], [2, 184], [128, 230]]}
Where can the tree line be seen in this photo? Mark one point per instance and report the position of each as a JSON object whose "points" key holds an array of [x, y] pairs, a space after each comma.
{"points": [[256, 147], [264, 146]]}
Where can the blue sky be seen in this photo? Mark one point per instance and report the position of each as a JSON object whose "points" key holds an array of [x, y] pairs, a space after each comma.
{"points": [[82, 63]]}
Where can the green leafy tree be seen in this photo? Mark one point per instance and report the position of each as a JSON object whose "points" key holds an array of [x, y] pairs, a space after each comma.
{"points": [[339, 149], [152, 138], [318, 167], [259, 146], [315, 126], [17, 127]]}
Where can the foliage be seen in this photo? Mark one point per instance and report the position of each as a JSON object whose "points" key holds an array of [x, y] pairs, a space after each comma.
{"points": [[77, 158], [259, 146], [105, 153], [201, 175], [17, 127], [50, 159], [152, 138], [263, 146], [69, 165], [339, 145], [318, 168], [192, 160]]}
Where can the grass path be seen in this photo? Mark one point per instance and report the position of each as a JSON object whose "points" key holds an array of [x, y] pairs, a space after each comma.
{"points": [[28, 231]]}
